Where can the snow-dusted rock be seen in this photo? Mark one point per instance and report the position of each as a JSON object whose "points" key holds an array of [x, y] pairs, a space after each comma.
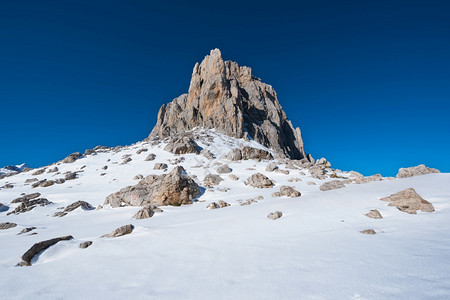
{"points": [[72, 157], [275, 215], [150, 157], [259, 180], [123, 230], [86, 244], [368, 231], [374, 214], [219, 204], [212, 179], [182, 145], [83, 204], [144, 213], [331, 185], [246, 153], [414, 171], [409, 201], [271, 167], [39, 247], [160, 166], [224, 169], [7, 225]]}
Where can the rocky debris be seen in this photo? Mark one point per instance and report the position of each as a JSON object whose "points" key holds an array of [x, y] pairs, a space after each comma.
{"points": [[7, 225], [47, 183], [174, 188], [123, 230], [331, 185], [89, 152], [409, 201], [224, 169], [271, 167], [287, 191], [30, 180], [86, 244], [259, 180], [246, 153], [84, 205], [53, 170], [126, 160], [72, 157], [233, 177], [294, 179], [368, 231], [212, 179], [3, 207], [160, 166], [29, 202], [414, 171], [247, 202], [28, 229], [144, 213], [141, 150], [70, 176], [310, 183], [219, 204], [104, 167], [357, 178], [322, 161], [60, 181], [8, 186], [227, 98], [275, 215], [182, 145], [38, 172], [39, 247], [150, 157], [207, 154], [138, 177], [317, 172], [285, 172], [374, 214]]}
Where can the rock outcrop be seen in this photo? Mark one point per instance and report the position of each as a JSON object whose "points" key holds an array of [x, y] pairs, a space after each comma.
{"points": [[409, 201], [123, 230], [182, 145], [332, 185], [260, 181], [374, 214], [228, 98], [275, 215], [246, 153], [7, 225], [174, 188], [83, 204], [41, 246], [219, 204], [414, 171], [28, 202]]}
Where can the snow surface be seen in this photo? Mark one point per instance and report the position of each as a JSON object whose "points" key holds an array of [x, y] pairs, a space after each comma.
{"points": [[315, 251]]}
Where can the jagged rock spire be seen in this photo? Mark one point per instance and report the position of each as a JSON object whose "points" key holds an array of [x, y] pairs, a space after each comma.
{"points": [[226, 97]]}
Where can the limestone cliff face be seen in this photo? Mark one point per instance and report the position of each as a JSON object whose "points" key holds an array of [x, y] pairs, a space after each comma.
{"points": [[224, 96]]}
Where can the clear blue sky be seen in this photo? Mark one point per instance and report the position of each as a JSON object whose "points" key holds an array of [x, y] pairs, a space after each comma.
{"points": [[368, 82]]}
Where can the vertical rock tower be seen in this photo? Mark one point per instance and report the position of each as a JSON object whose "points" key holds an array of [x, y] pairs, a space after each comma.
{"points": [[228, 98]]}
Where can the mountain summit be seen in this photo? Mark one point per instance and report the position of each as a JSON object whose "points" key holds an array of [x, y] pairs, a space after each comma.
{"points": [[228, 98]]}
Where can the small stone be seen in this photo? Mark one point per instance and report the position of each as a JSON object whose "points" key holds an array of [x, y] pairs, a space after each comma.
{"points": [[126, 160], [84, 245], [233, 177], [70, 176], [223, 169], [138, 177], [150, 157], [368, 231], [275, 215], [28, 229], [212, 179], [144, 213], [271, 167], [141, 150], [30, 180], [160, 166], [7, 225], [331, 185], [374, 214], [71, 158], [310, 183], [123, 230], [259, 180], [219, 204]]}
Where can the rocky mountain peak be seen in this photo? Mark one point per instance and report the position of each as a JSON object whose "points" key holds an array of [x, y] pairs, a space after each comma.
{"points": [[228, 98]]}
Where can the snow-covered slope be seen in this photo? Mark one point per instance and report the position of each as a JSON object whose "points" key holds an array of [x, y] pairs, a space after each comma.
{"points": [[314, 251]]}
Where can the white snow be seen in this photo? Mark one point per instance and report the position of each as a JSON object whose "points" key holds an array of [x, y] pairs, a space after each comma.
{"points": [[315, 251]]}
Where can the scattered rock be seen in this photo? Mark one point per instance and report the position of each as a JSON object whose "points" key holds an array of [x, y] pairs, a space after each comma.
{"points": [[182, 145], [414, 171], [89, 152], [246, 153], [219, 204], [374, 214], [8, 186], [271, 167], [39, 247], [331, 185], [27, 204], [105, 167], [233, 177], [368, 231], [275, 215], [160, 166], [123, 230], [212, 179], [30, 180], [38, 172], [150, 157], [126, 160], [289, 191], [28, 229], [26, 198], [409, 201], [259, 180], [46, 183], [86, 244], [248, 202], [224, 169], [294, 179], [317, 172], [141, 150], [174, 188], [144, 213], [7, 225], [84, 205], [71, 158], [60, 181], [70, 176], [207, 154], [53, 170], [285, 172], [310, 183], [138, 177]]}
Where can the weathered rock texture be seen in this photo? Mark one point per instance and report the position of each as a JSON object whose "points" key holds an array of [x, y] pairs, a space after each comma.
{"points": [[259, 180], [28, 202], [144, 213], [374, 214], [245, 153], [275, 215], [41, 246], [174, 188], [414, 171], [287, 191], [83, 204], [182, 145], [7, 225], [409, 201], [123, 230], [231, 100], [332, 185], [219, 204]]}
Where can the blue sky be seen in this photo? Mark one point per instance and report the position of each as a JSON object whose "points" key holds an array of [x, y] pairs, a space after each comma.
{"points": [[368, 82]]}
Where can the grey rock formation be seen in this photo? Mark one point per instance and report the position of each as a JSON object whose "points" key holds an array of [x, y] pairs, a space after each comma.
{"points": [[289, 191], [233, 177], [30, 180], [182, 145], [368, 231], [231, 100], [259, 180], [374, 214], [160, 166], [138, 177], [86, 244], [271, 167], [174, 188], [409, 201], [224, 169], [141, 150], [219, 204], [26, 230], [212, 179], [70, 176], [7, 225], [275, 215], [414, 171], [72, 157], [144, 213], [41, 246], [207, 154], [83, 204], [38, 172], [123, 230], [331, 185], [246, 153], [150, 157], [28, 202]]}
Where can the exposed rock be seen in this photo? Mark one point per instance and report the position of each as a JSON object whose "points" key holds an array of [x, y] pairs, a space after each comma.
{"points": [[414, 171], [46, 183], [212, 179], [70, 176], [285, 172], [271, 167], [409, 201], [289, 191], [141, 150], [138, 177], [275, 215], [41, 246], [144, 213], [246, 153], [182, 145], [228, 98], [28, 229], [317, 172], [8, 186], [160, 166], [26, 197], [123, 230], [248, 202], [174, 188], [7, 225], [368, 231], [30, 180], [206, 153], [71, 158], [29, 202], [84, 205], [223, 169], [219, 204], [53, 170], [294, 179], [104, 167], [324, 162], [331, 185], [38, 172], [310, 183], [86, 244], [374, 214], [89, 152], [150, 157], [126, 160], [60, 181], [233, 177], [259, 180]]}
